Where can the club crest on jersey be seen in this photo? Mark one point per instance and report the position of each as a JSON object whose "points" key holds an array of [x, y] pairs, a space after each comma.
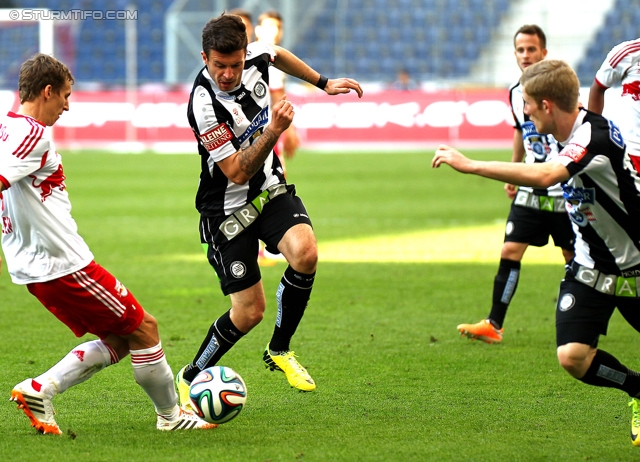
{"points": [[54, 181], [258, 122], [632, 89], [260, 90], [573, 151], [216, 137], [566, 302], [238, 269]]}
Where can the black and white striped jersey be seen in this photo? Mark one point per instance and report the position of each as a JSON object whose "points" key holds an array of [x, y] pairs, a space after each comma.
{"points": [[603, 197], [223, 123], [537, 147]]}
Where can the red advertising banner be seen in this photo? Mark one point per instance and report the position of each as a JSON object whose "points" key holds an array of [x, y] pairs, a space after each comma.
{"points": [[380, 120]]}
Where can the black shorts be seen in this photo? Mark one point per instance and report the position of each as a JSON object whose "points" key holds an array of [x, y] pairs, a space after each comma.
{"points": [[236, 261], [531, 226], [583, 313]]}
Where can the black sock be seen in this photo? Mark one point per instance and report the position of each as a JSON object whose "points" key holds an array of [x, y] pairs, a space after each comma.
{"points": [[292, 296], [504, 286], [607, 371], [221, 337]]}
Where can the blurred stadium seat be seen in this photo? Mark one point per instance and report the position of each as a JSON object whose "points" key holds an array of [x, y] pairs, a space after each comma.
{"points": [[389, 38], [365, 38], [616, 28]]}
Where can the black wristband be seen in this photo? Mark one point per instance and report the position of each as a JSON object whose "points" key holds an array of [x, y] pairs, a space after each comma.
{"points": [[322, 82]]}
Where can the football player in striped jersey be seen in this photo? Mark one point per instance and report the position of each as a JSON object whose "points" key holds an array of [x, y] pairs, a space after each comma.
{"points": [[603, 201]]}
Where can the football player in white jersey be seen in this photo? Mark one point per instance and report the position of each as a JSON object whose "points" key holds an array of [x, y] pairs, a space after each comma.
{"points": [[603, 202], [44, 251], [535, 213], [622, 66]]}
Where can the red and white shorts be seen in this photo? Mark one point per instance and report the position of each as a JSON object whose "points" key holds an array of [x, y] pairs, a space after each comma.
{"points": [[90, 300]]}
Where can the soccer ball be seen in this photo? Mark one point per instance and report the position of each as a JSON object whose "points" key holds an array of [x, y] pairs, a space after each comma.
{"points": [[218, 394]]}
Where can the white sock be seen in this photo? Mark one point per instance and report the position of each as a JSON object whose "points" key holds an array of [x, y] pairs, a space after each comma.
{"points": [[153, 374], [77, 366]]}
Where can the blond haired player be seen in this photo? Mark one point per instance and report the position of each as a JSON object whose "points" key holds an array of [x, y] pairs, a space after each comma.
{"points": [[603, 202]]}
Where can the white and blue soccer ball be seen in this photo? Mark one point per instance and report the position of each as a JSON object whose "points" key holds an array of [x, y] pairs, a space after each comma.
{"points": [[218, 394]]}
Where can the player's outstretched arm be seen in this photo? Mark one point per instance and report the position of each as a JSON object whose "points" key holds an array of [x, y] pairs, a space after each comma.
{"points": [[539, 175], [452, 157], [290, 64]]}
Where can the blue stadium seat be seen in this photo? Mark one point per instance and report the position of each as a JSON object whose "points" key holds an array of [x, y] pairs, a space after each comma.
{"points": [[381, 36]]}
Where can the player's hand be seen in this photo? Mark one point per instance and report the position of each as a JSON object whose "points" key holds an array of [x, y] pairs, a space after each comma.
{"points": [[281, 115], [451, 156], [511, 190], [342, 85]]}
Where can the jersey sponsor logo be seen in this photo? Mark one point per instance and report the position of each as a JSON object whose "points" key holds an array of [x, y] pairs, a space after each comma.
{"points": [[574, 151], [258, 123], [279, 300], [216, 137], [589, 214], [260, 90], [579, 196], [578, 218], [615, 135], [538, 144], [208, 352], [54, 181], [576, 199]]}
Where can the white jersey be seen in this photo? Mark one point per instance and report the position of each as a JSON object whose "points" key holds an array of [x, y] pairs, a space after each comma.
{"points": [[622, 66], [39, 237]]}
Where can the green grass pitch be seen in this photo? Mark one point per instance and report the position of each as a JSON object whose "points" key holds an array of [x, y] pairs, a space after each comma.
{"points": [[406, 254]]}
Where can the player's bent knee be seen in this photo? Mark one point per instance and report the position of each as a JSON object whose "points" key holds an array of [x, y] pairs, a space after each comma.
{"points": [[573, 359], [256, 318], [305, 258]]}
